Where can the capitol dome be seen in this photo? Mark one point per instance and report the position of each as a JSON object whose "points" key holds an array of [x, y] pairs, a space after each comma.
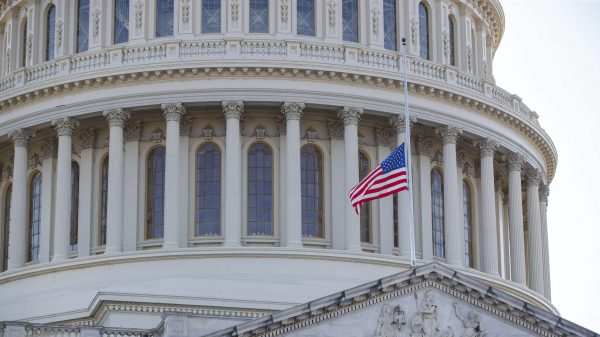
{"points": [[194, 157]]}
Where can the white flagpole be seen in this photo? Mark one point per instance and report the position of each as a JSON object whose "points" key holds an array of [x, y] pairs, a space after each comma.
{"points": [[407, 154]]}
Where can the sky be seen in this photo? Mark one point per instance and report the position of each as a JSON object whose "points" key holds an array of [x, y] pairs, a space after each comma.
{"points": [[550, 57]]}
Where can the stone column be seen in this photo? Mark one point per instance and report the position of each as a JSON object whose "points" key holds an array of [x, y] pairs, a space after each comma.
{"points": [[544, 192], [534, 238], [383, 137], [460, 165], [133, 132], [425, 152], [489, 245], [338, 217], [114, 223], [173, 113], [18, 209], [47, 211], [455, 238], [185, 130], [515, 214], [233, 173], [62, 217], [293, 112], [499, 185], [351, 116], [87, 140]]}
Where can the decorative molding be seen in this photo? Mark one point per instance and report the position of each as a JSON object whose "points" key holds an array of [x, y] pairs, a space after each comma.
{"points": [[87, 138], [292, 110], [398, 122], [29, 47], [284, 9], [173, 112], [139, 14], [336, 128], [207, 132], [185, 127], [468, 170], [65, 126], [350, 115], [260, 132], [424, 146], [35, 162], [544, 192], [461, 158], [185, 11], [449, 134], [116, 117], [59, 33], [235, 10], [499, 183], [487, 147], [533, 177], [375, 19], [331, 12], [157, 135], [20, 137], [311, 135], [133, 130], [515, 161], [96, 21], [49, 149], [233, 109], [383, 135], [414, 30]]}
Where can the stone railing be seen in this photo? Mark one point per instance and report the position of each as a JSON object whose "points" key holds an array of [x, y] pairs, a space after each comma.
{"points": [[221, 53]]}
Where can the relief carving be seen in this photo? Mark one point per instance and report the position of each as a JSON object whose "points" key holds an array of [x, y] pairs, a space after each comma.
{"points": [[139, 11], [391, 321], [425, 322], [284, 10], [375, 19], [331, 9], [235, 10], [470, 322], [185, 11]]}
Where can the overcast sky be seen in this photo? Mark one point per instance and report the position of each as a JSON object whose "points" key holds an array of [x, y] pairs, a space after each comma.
{"points": [[550, 56]]}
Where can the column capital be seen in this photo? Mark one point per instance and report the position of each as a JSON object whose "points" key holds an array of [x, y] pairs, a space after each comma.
{"points": [[116, 117], [383, 135], [461, 158], [173, 111], [20, 137], [544, 193], [185, 127], [533, 177], [424, 146], [350, 115], [133, 130], [487, 147], [292, 110], [87, 138], [49, 149], [398, 123], [233, 109], [499, 183], [65, 126], [515, 161], [449, 133], [336, 128]]}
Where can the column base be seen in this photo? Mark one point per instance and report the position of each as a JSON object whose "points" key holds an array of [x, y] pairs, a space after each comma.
{"points": [[170, 245], [57, 258], [296, 244], [357, 249], [111, 250], [232, 244]]}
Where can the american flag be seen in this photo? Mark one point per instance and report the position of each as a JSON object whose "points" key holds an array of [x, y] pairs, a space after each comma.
{"points": [[388, 178]]}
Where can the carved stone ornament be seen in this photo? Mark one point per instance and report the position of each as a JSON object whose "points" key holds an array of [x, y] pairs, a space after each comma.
{"points": [[461, 158], [235, 10], [478, 169], [133, 130], [185, 11], [292, 110], [391, 321], [157, 135], [233, 109], [87, 138], [383, 135], [533, 177], [499, 183], [468, 170], [515, 161], [350, 115], [544, 192], [487, 147], [139, 14], [331, 12], [261, 132], [96, 22], [20, 137], [425, 322], [336, 128], [446, 43], [29, 47], [59, 33], [311, 135], [424, 146], [470, 58], [185, 127], [281, 124], [7, 172], [362, 140], [284, 8], [173, 111], [116, 117], [375, 19], [449, 134], [414, 30], [35, 162], [470, 322], [207, 132], [49, 149], [65, 126], [398, 123]]}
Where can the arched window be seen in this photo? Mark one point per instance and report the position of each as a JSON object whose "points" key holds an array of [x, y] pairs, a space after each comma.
{"points": [[24, 43], [390, 28], [350, 20], [155, 193], [259, 16], [468, 224], [451, 41], [6, 226], [260, 190], [165, 16], [473, 60], [35, 216], [121, 27], [208, 190], [50, 32], [424, 31], [74, 204], [211, 16], [306, 17], [311, 167], [437, 212], [83, 25], [364, 167], [103, 201]]}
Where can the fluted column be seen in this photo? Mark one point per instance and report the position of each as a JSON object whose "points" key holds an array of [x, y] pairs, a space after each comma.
{"points": [[293, 112], [133, 132], [460, 166], [534, 238], [515, 214], [425, 152], [489, 246], [385, 206], [544, 192], [499, 185], [233, 173], [87, 140], [18, 208], [351, 116], [62, 216], [173, 113], [114, 223], [454, 231]]}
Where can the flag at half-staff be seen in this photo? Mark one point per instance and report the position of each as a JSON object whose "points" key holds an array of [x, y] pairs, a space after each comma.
{"points": [[388, 178]]}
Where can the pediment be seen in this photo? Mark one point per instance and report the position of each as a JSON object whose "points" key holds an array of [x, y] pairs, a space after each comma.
{"points": [[428, 301]]}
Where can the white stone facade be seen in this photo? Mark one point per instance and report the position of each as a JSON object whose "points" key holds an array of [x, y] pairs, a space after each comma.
{"points": [[234, 89]]}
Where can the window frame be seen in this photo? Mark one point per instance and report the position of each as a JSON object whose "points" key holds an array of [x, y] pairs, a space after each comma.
{"points": [[314, 19], [30, 215], [23, 28], [202, 18], [221, 190], [114, 22], [424, 5], [102, 203], [77, 12], [396, 24], [358, 22], [321, 191], [440, 216], [273, 189], [6, 206], [74, 226], [367, 207], [48, 37], [156, 21], [147, 225]]}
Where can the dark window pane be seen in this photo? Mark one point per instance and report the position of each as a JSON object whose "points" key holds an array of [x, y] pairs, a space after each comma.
{"points": [[437, 207], [165, 16], [424, 31], [260, 200], [350, 20], [6, 226], [121, 32], [83, 24], [208, 195], [311, 167], [155, 193], [259, 16], [24, 43], [306, 17], [451, 41], [468, 224], [74, 204], [103, 202], [35, 197], [211, 16], [390, 29], [364, 167], [50, 32]]}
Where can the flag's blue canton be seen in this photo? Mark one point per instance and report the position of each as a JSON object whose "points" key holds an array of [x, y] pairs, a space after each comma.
{"points": [[395, 161]]}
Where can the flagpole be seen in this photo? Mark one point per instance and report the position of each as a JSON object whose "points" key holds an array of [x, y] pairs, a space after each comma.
{"points": [[411, 220]]}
